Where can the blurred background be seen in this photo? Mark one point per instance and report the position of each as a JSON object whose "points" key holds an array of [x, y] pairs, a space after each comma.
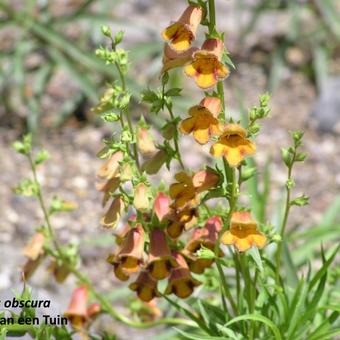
{"points": [[50, 78]]}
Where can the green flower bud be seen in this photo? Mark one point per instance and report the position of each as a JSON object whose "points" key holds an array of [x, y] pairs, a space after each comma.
{"points": [[247, 173], [286, 156], [300, 201], [106, 30]]}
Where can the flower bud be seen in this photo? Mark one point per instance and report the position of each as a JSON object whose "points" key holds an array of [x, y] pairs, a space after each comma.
{"points": [[141, 200], [153, 165], [161, 206], [145, 143]]}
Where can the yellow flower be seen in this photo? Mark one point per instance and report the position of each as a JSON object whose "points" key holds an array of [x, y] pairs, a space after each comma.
{"points": [[206, 237], [204, 120], [145, 286], [243, 233], [183, 192], [181, 220], [206, 67], [181, 283], [182, 32], [132, 252], [173, 59], [160, 258], [233, 145]]}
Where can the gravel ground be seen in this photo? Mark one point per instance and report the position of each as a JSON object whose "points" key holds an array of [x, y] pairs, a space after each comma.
{"points": [[71, 171]]}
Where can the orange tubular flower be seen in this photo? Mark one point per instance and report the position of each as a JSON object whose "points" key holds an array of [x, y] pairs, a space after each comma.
{"points": [[34, 251], [77, 309], [173, 59], [118, 269], [108, 188], [204, 120], [145, 286], [110, 168], [122, 231], [145, 143], [206, 67], [207, 237], [35, 247], [59, 271], [181, 220], [233, 145], [131, 254], [161, 206], [243, 233], [160, 258], [181, 283], [183, 192], [141, 200], [113, 214], [205, 179], [108, 176], [182, 32]]}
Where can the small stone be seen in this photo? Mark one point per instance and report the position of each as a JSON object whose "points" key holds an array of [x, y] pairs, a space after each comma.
{"points": [[326, 111]]}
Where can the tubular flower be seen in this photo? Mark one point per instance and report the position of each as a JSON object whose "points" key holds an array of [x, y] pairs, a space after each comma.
{"points": [[205, 179], [59, 271], [122, 231], [204, 120], [131, 254], [108, 187], [118, 269], [160, 258], [35, 247], [183, 192], [145, 143], [207, 237], [77, 309], [113, 214], [78, 312], [206, 67], [243, 233], [161, 206], [173, 59], [233, 145], [110, 168], [181, 283], [152, 165], [182, 32], [145, 286], [108, 176], [141, 200], [34, 251], [149, 311], [181, 220]]}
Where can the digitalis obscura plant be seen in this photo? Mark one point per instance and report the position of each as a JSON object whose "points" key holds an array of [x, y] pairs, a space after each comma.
{"points": [[189, 239]]}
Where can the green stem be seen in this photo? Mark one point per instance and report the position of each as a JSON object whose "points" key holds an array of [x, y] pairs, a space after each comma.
{"points": [[43, 207], [226, 288], [175, 136], [284, 221], [212, 16], [127, 112]]}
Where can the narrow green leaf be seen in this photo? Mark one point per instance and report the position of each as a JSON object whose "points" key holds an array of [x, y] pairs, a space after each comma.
{"points": [[199, 337], [260, 318], [323, 269]]}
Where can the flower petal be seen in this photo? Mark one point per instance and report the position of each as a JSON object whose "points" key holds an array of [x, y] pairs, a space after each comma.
{"points": [[202, 136], [187, 125]]}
